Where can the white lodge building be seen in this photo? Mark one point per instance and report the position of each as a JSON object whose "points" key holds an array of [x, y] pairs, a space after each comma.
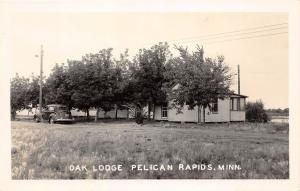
{"points": [[229, 109]]}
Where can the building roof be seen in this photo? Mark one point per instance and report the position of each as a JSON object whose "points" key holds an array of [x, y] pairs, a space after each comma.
{"points": [[55, 105], [238, 95], [176, 86]]}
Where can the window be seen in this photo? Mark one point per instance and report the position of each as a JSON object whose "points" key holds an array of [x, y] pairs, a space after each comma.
{"points": [[237, 104], [214, 106], [164, 111], [242, 104], [234, 104], [62, 108], [51, 108]]}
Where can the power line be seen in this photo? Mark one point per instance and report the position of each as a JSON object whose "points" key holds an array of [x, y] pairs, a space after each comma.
{"points": [[229, 32], [265, 35], [240, 34]]}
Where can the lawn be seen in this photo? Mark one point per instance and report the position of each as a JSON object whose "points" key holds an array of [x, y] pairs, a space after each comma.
{"points": [[43, 151]]}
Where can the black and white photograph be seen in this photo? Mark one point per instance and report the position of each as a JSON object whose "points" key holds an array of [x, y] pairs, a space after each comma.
{"points": [[149, 95]]}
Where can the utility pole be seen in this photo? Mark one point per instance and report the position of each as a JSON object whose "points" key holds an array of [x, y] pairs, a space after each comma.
{"points": [[239, 85], [41, 83]]}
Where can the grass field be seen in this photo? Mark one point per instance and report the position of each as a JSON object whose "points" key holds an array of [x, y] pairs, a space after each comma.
{"points": [[43, 151]]}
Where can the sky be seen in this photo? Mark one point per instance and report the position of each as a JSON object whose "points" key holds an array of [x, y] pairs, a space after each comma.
{"points": [[263, 59]]}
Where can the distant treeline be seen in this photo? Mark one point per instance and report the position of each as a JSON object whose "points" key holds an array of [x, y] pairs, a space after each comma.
{"points": [[278, 112]]}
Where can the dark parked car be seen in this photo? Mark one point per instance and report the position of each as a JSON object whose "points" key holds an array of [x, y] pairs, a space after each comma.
{"points": [[54, 113]]}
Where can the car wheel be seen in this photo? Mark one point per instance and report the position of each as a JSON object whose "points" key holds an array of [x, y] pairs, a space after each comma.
{"points": [[37, 119], [51, 120]]}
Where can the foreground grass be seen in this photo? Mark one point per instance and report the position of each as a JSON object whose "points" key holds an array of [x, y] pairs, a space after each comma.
{"points": [[43, 151]]}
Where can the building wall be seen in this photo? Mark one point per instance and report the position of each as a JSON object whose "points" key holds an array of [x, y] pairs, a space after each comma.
{"points": [[26, 112], [109, 114], [76, 113], [112, 113], [223, 114], [186, 115], [157, 113], [237, 115]]}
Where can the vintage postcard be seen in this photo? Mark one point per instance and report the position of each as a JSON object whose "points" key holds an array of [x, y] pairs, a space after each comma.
{"points": [[96, 94]]}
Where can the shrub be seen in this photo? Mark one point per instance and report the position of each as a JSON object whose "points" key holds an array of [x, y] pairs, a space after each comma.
{"points": [[139, 118], [255, 112]]}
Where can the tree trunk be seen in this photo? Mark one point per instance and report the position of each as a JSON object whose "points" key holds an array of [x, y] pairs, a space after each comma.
{"points": [[116, 114], [139, 117], [149, 110], [97, 113], [13, 115], [199, 115], [87, 114], [127, 113], [203, 114], [153, 111]]}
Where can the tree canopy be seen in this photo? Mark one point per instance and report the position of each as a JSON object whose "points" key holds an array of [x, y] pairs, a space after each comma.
{"points": [[200, 81], [23, 93], [18, 93], [58, 86], [101, 81], [148, 77]]}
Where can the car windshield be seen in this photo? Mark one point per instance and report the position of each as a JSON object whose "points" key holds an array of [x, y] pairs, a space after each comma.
{"points": [[50, 108]]}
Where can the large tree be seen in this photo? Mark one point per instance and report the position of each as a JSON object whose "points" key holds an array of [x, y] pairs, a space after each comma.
{"points": [[122, 74], [200, 81], [102, 79], [19, 87], [93, 82], [33, 93], [80, 80], [148, 78], [58, 86], [25, 93]]}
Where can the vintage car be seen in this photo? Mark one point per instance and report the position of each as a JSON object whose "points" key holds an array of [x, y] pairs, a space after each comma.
{"points": [[54, 113]]}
